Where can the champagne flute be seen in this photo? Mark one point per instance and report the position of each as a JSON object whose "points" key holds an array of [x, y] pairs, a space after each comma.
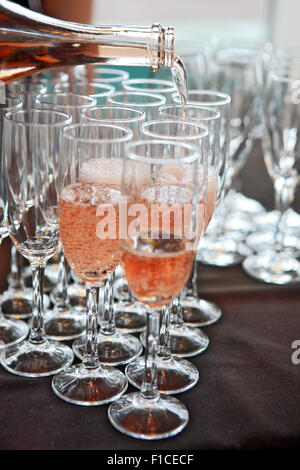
{"points": [[151, 85], [157, 256], [64, 322], [147, 102], [277, 264], [86, 199], [175, 375], [199, 312], [30, 155], [105, 75], [130, 315]]}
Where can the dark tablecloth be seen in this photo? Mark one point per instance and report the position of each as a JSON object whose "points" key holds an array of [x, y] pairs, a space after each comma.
{"points": [[248, 393]]}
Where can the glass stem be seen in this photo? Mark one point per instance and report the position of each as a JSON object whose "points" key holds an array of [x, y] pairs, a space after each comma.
{"points": [[164, 349], [176, 312], [149, 387], [284, 196], [16, 264], [62, 300], [129, 294], [108, 324], [91, 360], [37, 331]]}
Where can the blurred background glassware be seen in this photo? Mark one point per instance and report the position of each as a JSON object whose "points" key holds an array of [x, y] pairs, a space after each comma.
{"points": [[282, 159], [106, 75], [130, 314], [54, 80], [176, 375], [27, 89], [238, 72], [198, 311], [151, 85], [196, 56], [87, 181], [147, 102], [64, 322], [30, 155], [156, 268]]}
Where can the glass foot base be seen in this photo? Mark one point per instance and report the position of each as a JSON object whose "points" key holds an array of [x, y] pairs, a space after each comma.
{"points": [[199, 312], [187, 342], [113, 350], [17, 303], [37, 360], [130, 317], [89, 387], [64, 325], [173, 375], [148, 419], [184, 341], [273, 268], [222, 252], [12, 332]]}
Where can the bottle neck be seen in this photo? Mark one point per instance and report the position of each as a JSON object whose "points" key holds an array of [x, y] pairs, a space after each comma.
{"points": [[134, 45]]}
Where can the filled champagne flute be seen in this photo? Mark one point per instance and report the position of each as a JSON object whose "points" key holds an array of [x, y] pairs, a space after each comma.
{"points": [[159, 190], [176, 375], [130, 315], [87, 203]]}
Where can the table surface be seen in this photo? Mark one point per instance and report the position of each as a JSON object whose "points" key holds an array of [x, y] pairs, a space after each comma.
{"points": [[247, 396]]}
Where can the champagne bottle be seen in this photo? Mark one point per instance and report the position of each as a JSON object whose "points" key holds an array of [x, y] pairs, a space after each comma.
{"points": [[32, 42]]}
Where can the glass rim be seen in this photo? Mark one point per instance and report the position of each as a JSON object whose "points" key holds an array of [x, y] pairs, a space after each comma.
{"points": [[109, 88], [216, 112], [67, 134], [18, 87], [120, 75], [225, 98], [90, 101], [17, 106], [146, 124], [281, 74], [161, 100], [162, 161], [10, 114], [142, 114], [169, 85], [253, 52]]}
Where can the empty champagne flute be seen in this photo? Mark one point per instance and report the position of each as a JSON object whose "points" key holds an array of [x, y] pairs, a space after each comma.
{"points": [[97, 91], [30, 156], [281, 144], [151, 85], [212, 110], [64, 322], [105, 75], [147, 102], [89, 194], [158, 177], [11, 331]]}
